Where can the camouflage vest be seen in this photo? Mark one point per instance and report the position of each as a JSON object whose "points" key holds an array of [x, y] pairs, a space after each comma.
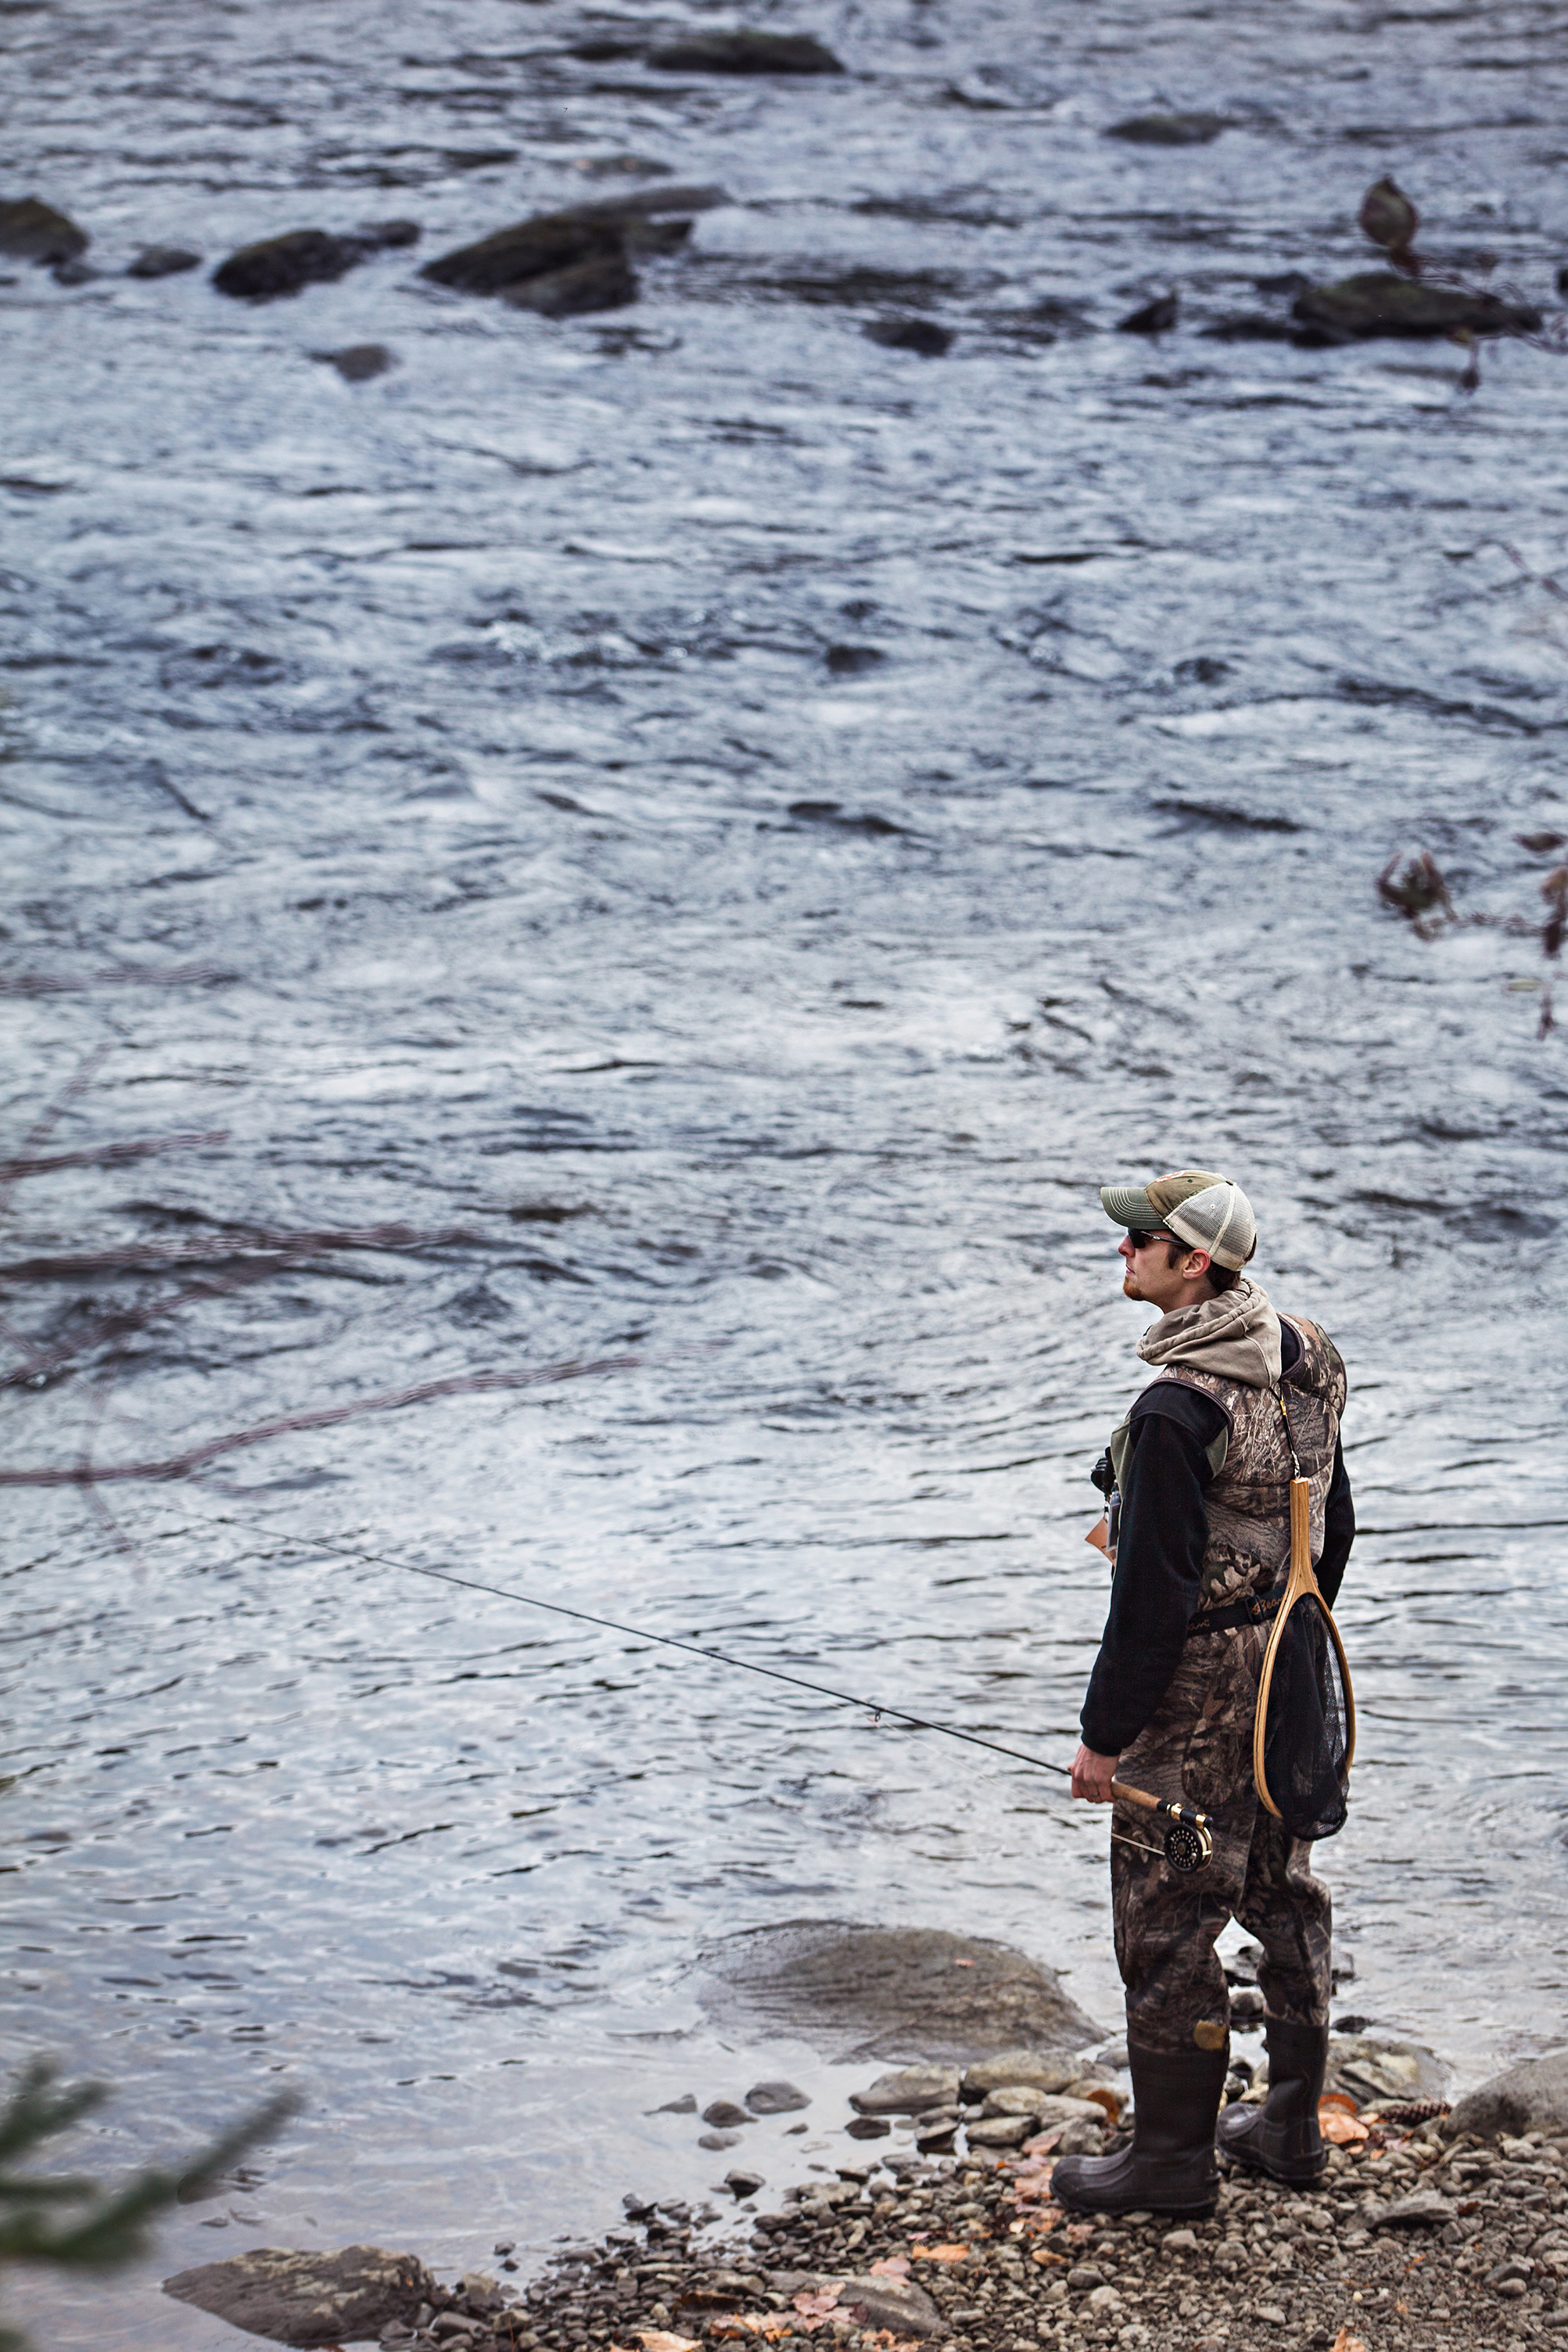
{"points": [[1248, 1502]]}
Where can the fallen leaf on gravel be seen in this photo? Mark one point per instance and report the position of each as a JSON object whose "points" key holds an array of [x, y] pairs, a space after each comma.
{"points": [[1044, 2255], [895, 2266], [1104, 2096], [748, 2323], [956, 2253], [1338, 2128], [818, 2304], [1345, 2342], [1339, 2099], [659, 2339]]}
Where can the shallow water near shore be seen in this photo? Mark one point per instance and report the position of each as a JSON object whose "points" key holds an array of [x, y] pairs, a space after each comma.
{"points": [[746, 828]]}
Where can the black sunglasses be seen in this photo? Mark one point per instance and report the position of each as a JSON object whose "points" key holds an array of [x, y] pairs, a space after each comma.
{"points": [[1143, 1241]]}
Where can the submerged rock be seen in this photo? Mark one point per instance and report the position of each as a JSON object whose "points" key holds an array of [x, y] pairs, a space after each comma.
{"points": [[163, 261], [890, 1992], [31, 230], [310, 2299], [777, 2098], [1379, 302], [745, 53], [543, 246], [1170, 130]]}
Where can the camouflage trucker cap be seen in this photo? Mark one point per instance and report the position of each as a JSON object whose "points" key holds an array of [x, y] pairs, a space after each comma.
{"points": [[1207, 1212]]}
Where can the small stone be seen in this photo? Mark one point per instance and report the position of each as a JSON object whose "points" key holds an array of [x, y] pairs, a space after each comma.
{"points": [[776, 2099], [864, 2127], [685, 2105], [720, 2139], [503, 2246], [1425, 2209], [163, 261], [1512, 2289], [1104, 2298], [1083, 2278], [1001, 2131], [724, 2115], [360, 362], [1180, 2241], [1269, 2313], [743, 2184]]}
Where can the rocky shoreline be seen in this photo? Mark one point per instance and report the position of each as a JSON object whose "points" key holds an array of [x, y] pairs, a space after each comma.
{"points": [[1433, 2227]]}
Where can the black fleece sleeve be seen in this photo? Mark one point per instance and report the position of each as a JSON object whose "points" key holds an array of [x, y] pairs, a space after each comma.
{"points": [[1339, 1530], [1163, 1536]]}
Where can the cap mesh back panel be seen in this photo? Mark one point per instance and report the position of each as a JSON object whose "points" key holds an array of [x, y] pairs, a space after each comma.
{"points": [[1306, 1732]]}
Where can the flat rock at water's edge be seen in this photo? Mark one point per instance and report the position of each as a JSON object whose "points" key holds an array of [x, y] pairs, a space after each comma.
{"points": [[890, 1992], [1530, 2097], [31, 230], [309, 2299], [1037, 2068], [549, 244], [1378, 302], [163, 261], [893, 2303], [282, 265], [909, 2091]]}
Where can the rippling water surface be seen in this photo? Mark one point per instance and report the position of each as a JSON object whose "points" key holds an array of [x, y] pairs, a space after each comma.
{"points": [[746, 828]]}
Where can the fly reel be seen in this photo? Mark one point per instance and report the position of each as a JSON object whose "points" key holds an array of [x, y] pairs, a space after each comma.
{"points": [[1189, 1840]]}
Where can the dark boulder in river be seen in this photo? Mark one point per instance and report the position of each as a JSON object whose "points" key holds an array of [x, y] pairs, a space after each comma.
{"points": [[310, 2299], [31, 230], [608, 282], [745, 53], [1378, 302], [304, 257], [282, 265], [549, 244]]}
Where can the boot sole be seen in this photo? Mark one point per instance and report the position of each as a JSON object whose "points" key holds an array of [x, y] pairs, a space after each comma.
{"points": [[1306, 2176]]}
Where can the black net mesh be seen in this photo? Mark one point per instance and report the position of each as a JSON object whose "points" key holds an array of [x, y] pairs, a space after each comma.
{"points": [[1306, 1732]]}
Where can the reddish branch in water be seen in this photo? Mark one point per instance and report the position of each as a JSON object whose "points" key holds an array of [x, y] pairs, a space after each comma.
{"points": [[326, 1416], [108, 1155]]}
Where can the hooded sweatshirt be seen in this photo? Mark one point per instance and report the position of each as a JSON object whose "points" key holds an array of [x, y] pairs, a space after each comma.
{"points": [[1162, 1460]]}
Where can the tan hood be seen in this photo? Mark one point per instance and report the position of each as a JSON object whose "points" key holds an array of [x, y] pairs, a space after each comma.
{"points": [[1236, 1336]]}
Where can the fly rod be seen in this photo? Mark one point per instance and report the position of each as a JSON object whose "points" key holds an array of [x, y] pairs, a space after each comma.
{"points": [[1189, 1840]]}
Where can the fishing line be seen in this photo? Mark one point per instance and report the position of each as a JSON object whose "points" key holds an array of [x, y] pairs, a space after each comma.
{"points": [[1188, 1838]]}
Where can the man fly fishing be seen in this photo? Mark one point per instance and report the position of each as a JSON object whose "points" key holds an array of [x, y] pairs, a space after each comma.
{"points": [[1198, 1531]]}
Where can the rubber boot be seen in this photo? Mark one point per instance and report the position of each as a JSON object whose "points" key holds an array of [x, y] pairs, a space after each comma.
{"points": [[1283, 2138], [1170, 2166]]}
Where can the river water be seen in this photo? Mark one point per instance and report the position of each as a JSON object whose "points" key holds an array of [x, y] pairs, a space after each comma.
{"points": [[749, 828]]}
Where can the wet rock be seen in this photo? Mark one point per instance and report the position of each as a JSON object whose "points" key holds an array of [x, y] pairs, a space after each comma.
{"points": [[720, 2139], [73, 273], [1156, 318], [745, 53], [608, 282], [310, 2299], [853, 661], [724, 2115], [743, 2184], [888, 1992], [31, 230], [1379, 302], [359, 362], [282, 265], [1530, 2097], [544, 246], [391, 234], [1250, 327], [909, 2091], [1368, 2068], [685, 2105], [1170, 130], [776, 2099], [163, 261], [868, 2128], [923, 336]]}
